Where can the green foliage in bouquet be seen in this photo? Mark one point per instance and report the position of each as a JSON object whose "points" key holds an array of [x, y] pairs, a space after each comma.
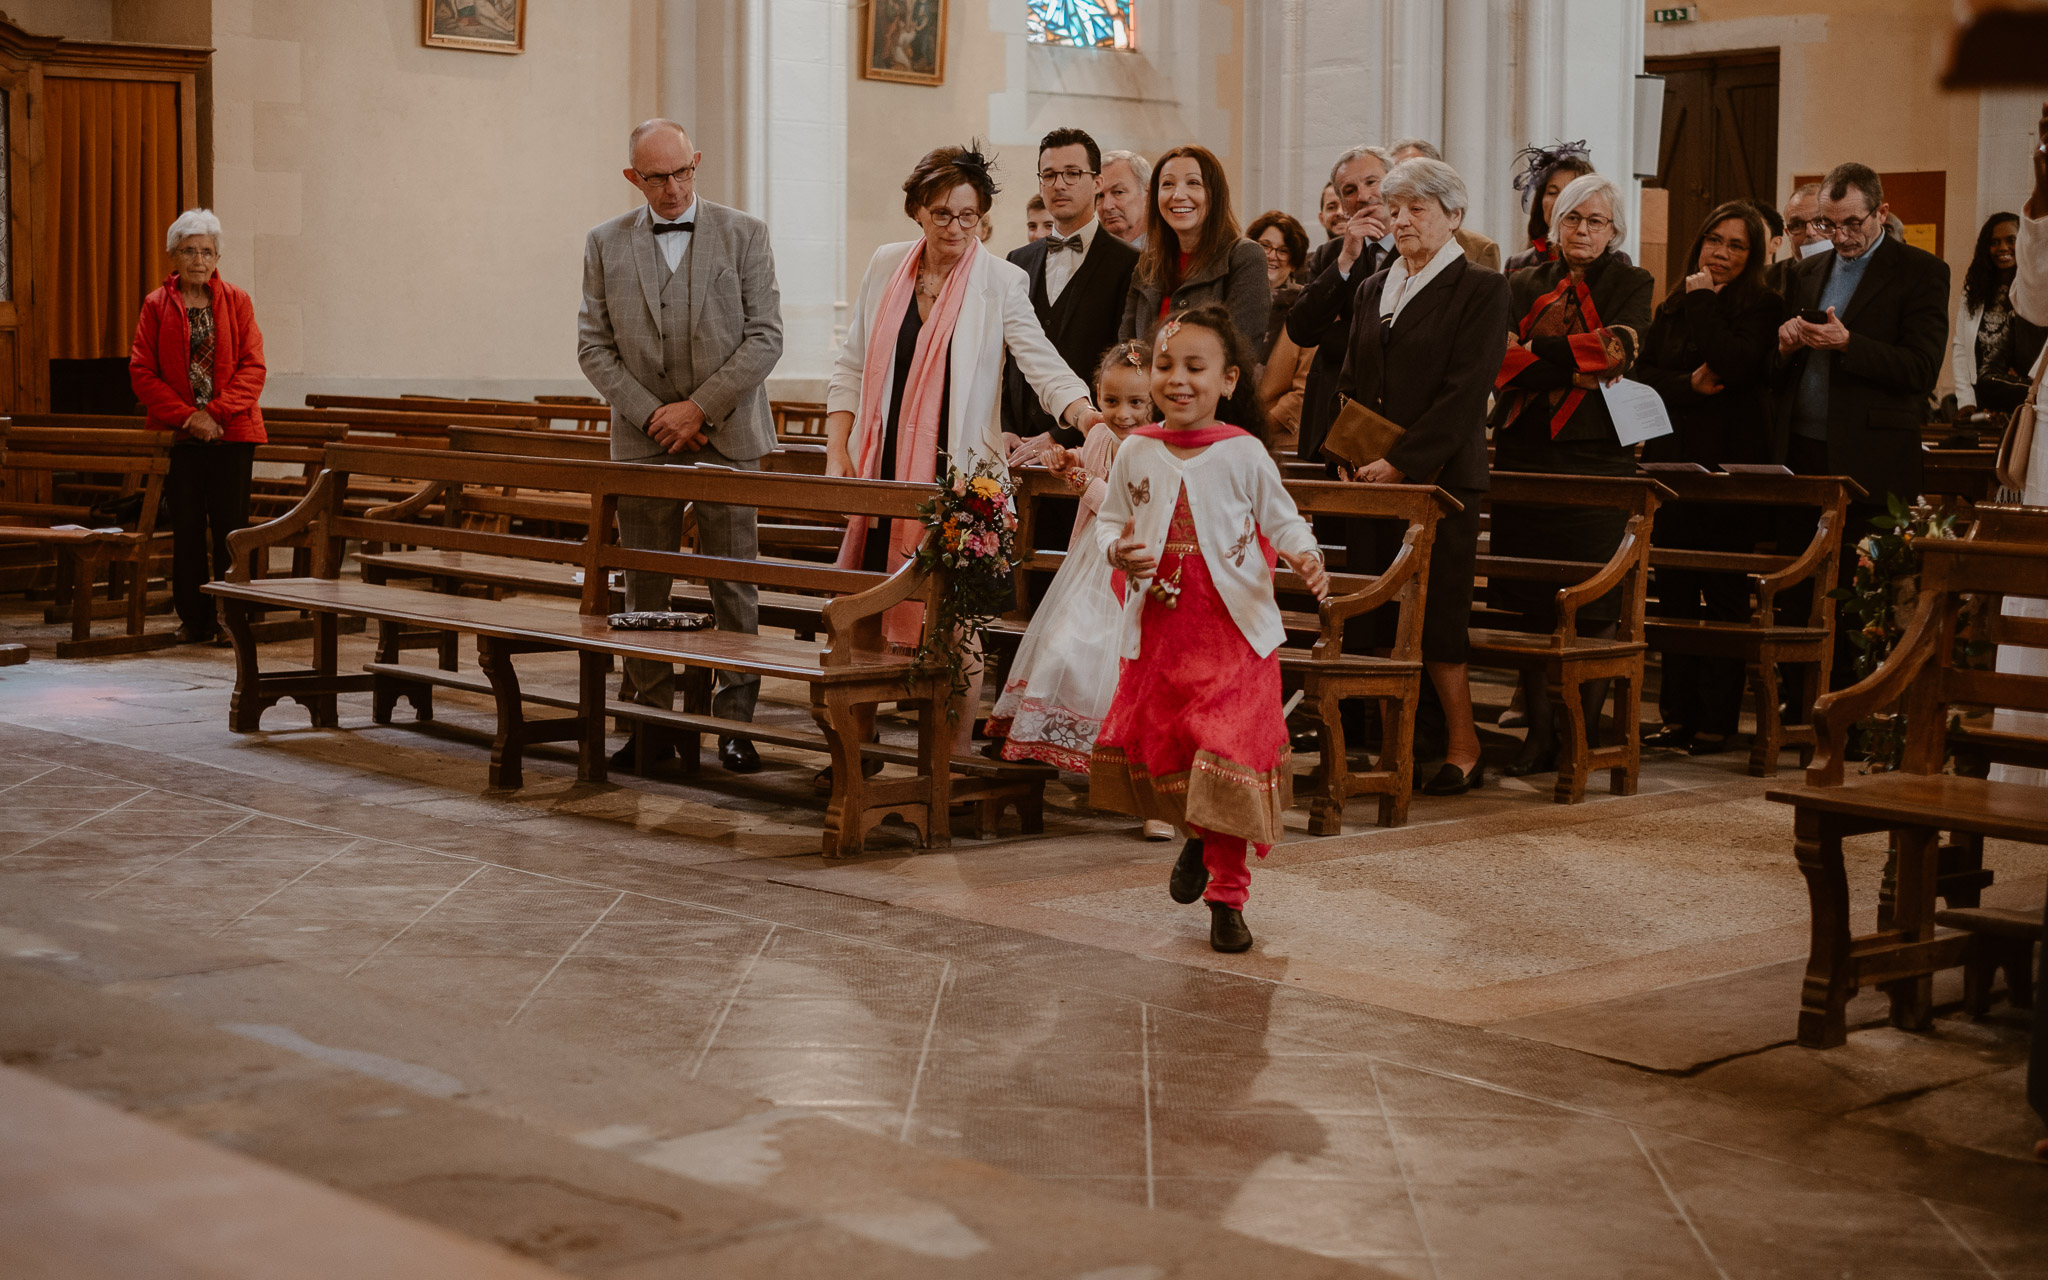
{"points": [[1874, 609], [970, 541]]}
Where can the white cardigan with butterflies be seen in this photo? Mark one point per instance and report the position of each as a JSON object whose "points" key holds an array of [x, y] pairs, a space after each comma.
{"points": [[1235, 494]]}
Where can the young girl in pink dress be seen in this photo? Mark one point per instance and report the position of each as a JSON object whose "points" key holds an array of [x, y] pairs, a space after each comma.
{"points": [[1195, 517]]}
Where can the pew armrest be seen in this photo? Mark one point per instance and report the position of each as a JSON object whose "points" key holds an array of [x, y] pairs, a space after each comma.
{"points": [[1628, 555], [320, 499], [1810, 561], [1834, 714], [855, 622], [1334, 612], [407, 508]]}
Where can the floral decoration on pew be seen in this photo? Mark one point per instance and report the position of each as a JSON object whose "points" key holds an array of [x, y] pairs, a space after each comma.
{"points": [[1877, 605], [970, 544]]}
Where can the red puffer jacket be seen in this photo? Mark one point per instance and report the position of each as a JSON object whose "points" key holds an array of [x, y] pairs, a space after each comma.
{"points": [[158, 363]]}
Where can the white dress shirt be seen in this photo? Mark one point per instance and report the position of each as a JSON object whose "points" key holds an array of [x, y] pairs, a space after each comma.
{"points": [[1401, 286], [1061, 266], [676, 243]]}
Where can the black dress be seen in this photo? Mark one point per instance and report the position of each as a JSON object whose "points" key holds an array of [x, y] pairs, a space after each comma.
{"points": [[875, 554], [1732, 333], [1585, 445]]}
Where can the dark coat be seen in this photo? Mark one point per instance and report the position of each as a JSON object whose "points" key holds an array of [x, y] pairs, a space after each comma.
{"points": [[1320, 320], [1879, 384], [1621, 296], [1432, 371], [1082, 325], [1735, 336], [1236, 279]]}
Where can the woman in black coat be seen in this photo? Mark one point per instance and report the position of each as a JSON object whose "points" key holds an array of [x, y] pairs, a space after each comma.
{"points": [[1579, 321], [1427, 337], [1706, 355]]}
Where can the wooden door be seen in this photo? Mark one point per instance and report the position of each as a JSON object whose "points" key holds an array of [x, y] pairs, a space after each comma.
{"points": [[22, 388], [1720, 137]]}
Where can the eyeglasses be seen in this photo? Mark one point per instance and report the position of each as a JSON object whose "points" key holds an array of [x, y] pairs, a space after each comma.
{"points": [[1063, 177], [1798, 226], [1828, 227], [663, 179], [195, 253], [1574, 220], [968, 220], [1276, 252]]}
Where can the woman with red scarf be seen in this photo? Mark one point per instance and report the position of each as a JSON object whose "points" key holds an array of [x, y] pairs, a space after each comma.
{"points": [[1582, 315], [197, 367]]}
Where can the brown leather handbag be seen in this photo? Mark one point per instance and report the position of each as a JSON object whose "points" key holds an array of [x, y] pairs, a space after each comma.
{"points": [[1360, 436]]}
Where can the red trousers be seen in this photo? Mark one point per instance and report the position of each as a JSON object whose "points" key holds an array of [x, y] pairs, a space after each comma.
{"points": [[1230, 876]]}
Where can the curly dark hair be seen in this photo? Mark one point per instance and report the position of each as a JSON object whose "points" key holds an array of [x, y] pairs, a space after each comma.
{"points": [[1291, 234], [944, 168], [1242, 408], [1981, 281]]}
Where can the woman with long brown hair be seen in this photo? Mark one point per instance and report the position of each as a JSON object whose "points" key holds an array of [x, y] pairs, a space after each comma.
{"points": [[1194, 252]]}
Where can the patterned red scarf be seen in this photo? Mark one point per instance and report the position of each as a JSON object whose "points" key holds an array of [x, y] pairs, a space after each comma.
{"points": [[1599, 354]]}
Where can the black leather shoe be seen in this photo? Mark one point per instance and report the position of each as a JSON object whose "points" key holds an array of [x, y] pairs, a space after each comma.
{"points": [[821, 781], [1453, 781], [1227, 931], [1675, 736], [1541, 760], [627, 757], [1707, 745], [1189, 876], [738, 755]]}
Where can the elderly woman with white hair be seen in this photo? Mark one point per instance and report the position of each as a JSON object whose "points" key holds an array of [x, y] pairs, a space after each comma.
{"points": [[1580, 320], [1427, 338], [197, 366]]}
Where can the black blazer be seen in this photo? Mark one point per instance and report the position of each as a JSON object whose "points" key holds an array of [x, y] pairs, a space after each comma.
{"points": [[1432, 371], [1320, 320], [1236, 279], [1621, 296], [1734, 336], [1879, 384], [1082, 325]]}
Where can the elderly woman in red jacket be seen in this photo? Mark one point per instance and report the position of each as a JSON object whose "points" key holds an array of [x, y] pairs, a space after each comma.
{"points": [[197, 367]]}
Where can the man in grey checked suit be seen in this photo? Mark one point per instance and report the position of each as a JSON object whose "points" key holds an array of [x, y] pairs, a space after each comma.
{"points": [[680, 327]]}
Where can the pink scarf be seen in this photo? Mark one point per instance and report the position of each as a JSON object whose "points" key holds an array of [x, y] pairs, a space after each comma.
{"points": [[1189, 437], [918, 424]]}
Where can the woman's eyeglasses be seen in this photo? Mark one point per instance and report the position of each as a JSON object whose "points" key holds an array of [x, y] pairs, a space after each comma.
{"points": [[968, 219], [1574, 220]]}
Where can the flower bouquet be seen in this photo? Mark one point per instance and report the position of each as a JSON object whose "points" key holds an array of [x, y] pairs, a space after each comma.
{"points": [[969, 544]]}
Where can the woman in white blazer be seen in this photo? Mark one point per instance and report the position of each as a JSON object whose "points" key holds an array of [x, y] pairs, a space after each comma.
{"points": [[1995, 347], [983, 305]]}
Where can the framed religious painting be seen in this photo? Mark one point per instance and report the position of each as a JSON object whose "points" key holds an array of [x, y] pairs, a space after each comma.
{"points": [[484, 26], [904, 41]]}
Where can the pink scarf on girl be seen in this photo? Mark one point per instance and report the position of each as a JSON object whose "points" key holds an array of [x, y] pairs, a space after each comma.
{"points": [[918, 425]]}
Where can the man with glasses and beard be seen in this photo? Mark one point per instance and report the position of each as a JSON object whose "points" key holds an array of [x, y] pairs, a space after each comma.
{"points": [[1857, 356], [680, 327]]}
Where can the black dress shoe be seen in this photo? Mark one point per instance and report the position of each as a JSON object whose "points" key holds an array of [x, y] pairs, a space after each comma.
{"points": [[738, 755], [1676, 736], [1453, 781], [627, 757], [1227, 931], [1540, 760], [821, 781], [1189, 876], [1707, 744]]}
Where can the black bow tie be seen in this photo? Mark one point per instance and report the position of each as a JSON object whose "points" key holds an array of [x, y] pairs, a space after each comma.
{"points": [[663, 228], [1056, 242]]}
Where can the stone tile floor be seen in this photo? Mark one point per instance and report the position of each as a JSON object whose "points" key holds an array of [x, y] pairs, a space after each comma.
{"points": [[1329, 1124]]}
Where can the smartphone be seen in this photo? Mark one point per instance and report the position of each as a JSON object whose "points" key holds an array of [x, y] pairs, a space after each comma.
{"points": [[1814, 317]]}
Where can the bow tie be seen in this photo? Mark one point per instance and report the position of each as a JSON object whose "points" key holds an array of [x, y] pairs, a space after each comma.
{"points": [[1056, 242], [663, 228]]}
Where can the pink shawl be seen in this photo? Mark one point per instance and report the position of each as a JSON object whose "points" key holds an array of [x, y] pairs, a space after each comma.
{"points": [[918, 424]]}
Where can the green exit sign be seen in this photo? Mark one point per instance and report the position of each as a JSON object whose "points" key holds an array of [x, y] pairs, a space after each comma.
{"points": [[1683, 13]]}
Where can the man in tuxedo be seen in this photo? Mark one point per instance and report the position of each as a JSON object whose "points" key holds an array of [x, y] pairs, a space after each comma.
{"points": [[1321, 318], [1079, 276], [681, 325], [1852, 391]]}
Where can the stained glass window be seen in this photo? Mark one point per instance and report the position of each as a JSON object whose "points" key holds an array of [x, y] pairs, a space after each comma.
{"points": [[1091, 24]]}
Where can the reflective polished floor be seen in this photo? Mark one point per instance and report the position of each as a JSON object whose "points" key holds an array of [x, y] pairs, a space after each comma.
{"points": [[1027, 1004]]}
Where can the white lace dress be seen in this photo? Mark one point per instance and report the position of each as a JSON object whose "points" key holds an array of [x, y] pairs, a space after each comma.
{"points": [[1064, 678]]}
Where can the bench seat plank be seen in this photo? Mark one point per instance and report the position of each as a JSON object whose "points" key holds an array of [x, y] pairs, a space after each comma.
{"points": [[1944, 802]]}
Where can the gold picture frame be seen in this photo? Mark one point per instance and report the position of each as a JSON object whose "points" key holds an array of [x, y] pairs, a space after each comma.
{"points": [[904, 41], [480, 26]]}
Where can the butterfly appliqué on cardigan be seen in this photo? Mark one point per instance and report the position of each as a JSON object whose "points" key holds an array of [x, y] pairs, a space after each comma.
{"points": [[1243, 543], [1141, 493]]}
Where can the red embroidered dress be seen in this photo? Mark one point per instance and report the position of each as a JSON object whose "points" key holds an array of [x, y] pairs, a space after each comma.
{"points": [[1195, 735]]}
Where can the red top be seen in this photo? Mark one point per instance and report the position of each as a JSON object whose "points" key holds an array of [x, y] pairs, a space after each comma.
{"points": [[1179, 273], [159, 361]]}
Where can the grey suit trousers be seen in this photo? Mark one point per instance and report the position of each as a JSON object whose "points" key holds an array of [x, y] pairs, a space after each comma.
{"points": [[656, 524]]}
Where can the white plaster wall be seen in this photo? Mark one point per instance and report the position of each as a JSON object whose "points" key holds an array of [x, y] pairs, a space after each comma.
{"points": [[412, 219], [71, 19]]}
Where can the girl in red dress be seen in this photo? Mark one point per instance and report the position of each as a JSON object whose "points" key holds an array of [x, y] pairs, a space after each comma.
{"points": [[1195, 734]]}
